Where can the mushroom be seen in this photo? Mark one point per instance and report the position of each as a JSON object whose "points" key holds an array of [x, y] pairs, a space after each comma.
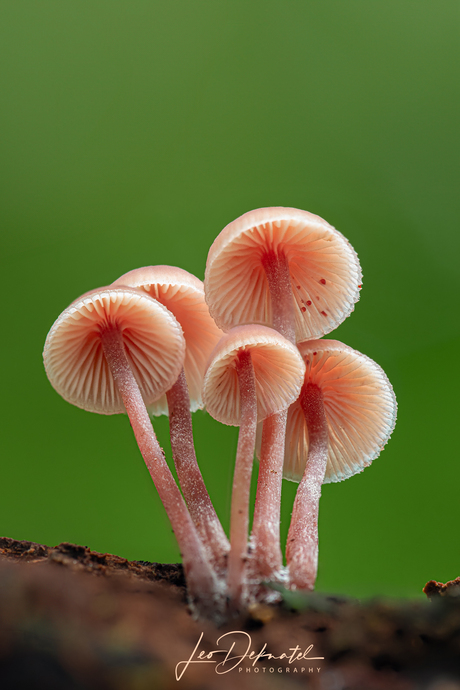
{"points": [[344, 416], [253, 372], [284, 268], [288, 269], [183, 294], [113, 350]]}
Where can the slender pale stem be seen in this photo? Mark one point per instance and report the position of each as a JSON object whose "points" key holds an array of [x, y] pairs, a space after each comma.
{"points": [[239, 523], [266, 526], [279, 282], [201, 580], [267, 556], [190, 478], [302, 542]]}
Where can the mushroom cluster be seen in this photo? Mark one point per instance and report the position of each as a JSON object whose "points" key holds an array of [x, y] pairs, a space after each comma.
{"points": [[246, 344]]}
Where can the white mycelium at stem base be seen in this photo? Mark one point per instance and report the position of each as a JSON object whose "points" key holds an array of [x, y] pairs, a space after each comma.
{"points": [[340, 423], [288, 269], [231, 398], [96, 355], [183, 294]]}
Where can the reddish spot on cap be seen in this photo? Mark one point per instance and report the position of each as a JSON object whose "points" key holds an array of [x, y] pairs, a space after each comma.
{"points": [[246, 249], [308, 303], [322, 281], [298, 287], [303, 308], [323, 313], [360, 286], [315, 353], [317, 296]]}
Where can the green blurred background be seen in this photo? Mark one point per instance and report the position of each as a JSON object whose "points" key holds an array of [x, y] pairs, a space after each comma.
{"points": [[131, 134]]}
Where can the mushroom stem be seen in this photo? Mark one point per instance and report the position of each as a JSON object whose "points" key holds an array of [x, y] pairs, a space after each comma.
{"points": [[239, 520], [302, 541], [201, 580], [279, 282], [190, 478], [266, 527], [265, 539]]}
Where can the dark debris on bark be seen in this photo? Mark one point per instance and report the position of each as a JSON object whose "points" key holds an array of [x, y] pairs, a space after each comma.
{"points": [[74, 618]]}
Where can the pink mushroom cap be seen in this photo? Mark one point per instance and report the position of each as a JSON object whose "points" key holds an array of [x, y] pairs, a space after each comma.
{"points": [[360, 408], [278, 371], [74, 359], [183, 294], [324, 270]]}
